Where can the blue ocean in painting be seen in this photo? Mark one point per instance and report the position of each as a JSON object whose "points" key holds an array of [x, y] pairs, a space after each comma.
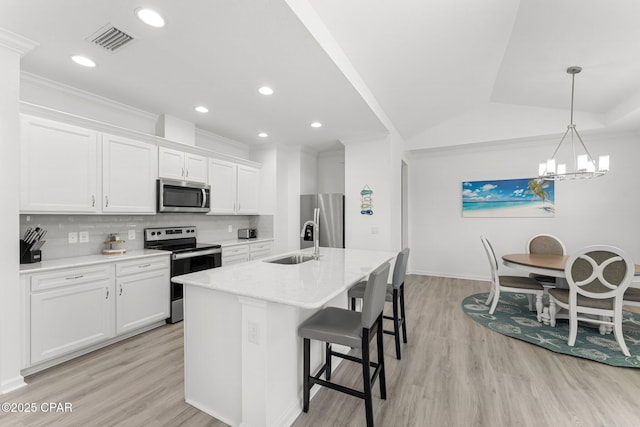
{"points": [[507, 193]]}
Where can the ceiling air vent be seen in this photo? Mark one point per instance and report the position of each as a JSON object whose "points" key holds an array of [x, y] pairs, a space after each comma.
{"points": [[110, 38]]}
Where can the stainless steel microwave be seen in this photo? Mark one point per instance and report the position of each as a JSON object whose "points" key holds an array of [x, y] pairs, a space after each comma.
{"points": [[183, 196]]}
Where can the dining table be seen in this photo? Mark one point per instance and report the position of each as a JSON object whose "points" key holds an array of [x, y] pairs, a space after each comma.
{"points": [[549, 265]]}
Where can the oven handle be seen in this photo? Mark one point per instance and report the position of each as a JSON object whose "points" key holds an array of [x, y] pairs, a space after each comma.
{"points": [[196, 254]]}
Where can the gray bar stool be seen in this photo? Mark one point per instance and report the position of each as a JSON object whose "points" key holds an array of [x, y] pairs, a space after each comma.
{"points": [[395, 295], [353, 329]]}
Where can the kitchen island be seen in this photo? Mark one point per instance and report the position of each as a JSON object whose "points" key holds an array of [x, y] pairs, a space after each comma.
{"points": [[242, 354]]}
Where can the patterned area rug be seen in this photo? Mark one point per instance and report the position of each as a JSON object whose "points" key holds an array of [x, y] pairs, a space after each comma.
{"points": [[513, 318]]}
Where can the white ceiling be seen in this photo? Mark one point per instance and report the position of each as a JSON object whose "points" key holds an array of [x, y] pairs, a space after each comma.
{"points": [[431, 65]]}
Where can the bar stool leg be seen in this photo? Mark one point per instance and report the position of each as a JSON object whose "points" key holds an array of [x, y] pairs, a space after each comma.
{"points": [[396, 323], [381, 375], [366, 377], [327, 372], [404, 317], [305, 375]]}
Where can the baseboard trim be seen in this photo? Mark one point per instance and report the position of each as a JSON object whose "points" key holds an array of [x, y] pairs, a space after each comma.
{"points": [[12, 384]]}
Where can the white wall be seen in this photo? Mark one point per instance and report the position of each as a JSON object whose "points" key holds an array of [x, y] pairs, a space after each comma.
{"points": [[605, 210], [308, 172], [11, 47], [372, 163], [331, 171]]}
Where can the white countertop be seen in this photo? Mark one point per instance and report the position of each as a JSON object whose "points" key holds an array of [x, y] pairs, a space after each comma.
{"points": [[82, 261], [235, 242], [310, 284]]}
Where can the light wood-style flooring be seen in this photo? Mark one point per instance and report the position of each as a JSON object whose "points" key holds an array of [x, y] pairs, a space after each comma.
{"points": [[454, 372]]}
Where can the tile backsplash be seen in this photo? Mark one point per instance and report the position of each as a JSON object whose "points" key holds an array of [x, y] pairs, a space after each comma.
{"points": [[211, 229]]}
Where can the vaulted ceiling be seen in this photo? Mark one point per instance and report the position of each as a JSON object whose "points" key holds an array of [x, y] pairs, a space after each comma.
{"points": [[443, 72]]}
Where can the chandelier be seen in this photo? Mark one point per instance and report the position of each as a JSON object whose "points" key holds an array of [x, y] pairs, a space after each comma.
{"points": [[584, 166]]}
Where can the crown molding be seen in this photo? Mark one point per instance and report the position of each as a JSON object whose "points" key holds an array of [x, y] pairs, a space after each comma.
{"points": [[42, 82], [16, 42], [219, 138]]}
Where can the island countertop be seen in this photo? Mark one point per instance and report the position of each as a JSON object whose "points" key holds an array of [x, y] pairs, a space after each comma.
{"points": [[310, 284]]}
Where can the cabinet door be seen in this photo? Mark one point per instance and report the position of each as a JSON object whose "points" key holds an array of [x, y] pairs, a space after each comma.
{"points": [[222, 179], [71, 318], [170, 163], [128, 176], [195, 168], [260, 250], [60, 167], [248, 190], [235, 254], [142, 300]]}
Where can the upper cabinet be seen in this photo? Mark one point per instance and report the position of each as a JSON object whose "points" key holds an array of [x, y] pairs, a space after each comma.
{"points": [[234, 188], [179, 165], [60, 167], [129, 175]]}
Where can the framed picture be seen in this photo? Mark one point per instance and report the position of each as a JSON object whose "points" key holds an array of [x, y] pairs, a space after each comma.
{"points": [[508, 198]]}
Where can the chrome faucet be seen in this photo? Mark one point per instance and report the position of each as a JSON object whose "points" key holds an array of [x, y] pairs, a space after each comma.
{"points": [[315, 224]]}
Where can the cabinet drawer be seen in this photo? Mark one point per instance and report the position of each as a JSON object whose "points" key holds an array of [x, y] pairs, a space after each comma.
{"points": [[70, 276], [263, 246], [235, 259], [235, 250], [142, 265]]}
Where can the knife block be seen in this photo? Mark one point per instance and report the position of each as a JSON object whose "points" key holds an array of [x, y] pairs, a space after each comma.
{"points": [[27, 256]]}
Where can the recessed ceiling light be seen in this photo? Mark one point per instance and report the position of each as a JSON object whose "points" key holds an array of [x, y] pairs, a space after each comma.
{"points": [[202, 109], [316, 125], [83, 60], [263, 134], [265, 90], [150, 17]]}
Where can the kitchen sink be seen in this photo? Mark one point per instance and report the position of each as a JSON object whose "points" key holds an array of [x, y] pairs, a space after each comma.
{"points": [[291, 259]]}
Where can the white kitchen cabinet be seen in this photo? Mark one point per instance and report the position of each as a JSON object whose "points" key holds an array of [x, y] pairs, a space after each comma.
{"points": [[180, 165], [70, 309], [60, 167], [234, 188], [143, 293], [260, 250], [235, 254], [129, 175]]}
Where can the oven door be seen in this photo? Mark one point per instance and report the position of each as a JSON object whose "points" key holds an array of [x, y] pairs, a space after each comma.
{"points": [[182, 196]]}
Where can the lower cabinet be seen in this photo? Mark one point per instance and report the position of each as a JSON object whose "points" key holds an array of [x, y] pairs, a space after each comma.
{"points": [[78, 314], [72, 309], [244, 252], [143, 298]]}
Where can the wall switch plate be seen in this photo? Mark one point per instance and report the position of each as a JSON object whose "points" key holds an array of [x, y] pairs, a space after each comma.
{"points": [[230, 229], [84, 236], [132, 234], [253, 332], [73, 237]]}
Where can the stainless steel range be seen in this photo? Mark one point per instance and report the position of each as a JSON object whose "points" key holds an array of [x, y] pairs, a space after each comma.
{"points": [[187, 256]]}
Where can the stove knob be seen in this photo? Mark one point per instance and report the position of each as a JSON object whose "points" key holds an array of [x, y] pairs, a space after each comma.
{"points": [[153, 233]]}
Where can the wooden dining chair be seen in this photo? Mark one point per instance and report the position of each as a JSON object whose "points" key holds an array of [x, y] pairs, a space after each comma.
{"points": [[598, 278], [513, 284], [544, 244]]}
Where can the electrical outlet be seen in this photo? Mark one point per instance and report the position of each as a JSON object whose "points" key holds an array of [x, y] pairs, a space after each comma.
{"points": [[253, 332], [132, 234], [230, 229], [73, 237], [84, 236]]}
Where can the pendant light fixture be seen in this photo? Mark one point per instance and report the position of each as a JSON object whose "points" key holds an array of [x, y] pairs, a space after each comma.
{"points": [[584, 165]]}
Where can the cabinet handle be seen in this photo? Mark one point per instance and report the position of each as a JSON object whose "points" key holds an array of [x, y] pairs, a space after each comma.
{"points": [[74, 277], [93, 201], [187, 173], [182, 171], [120, 290], [106, 199], [107, 297], [144, 266]]}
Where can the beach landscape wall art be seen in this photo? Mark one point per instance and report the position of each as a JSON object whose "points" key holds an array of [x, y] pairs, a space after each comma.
{"points": [[508, 198]]}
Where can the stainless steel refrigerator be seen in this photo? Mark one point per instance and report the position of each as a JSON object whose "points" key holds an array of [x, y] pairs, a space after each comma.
{"points": [[331, 218]]}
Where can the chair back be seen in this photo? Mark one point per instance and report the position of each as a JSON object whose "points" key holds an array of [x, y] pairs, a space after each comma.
{"points": [[374, 295], [400, 269], [545, 244], [492, 259], [599, 272]]}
